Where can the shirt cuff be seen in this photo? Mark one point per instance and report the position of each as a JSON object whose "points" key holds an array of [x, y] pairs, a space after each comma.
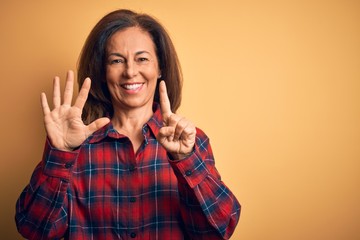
{"points": [[191, 170], [58, 163]]}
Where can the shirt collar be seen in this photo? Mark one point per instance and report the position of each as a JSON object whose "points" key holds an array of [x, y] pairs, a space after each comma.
{"points": [[154, 124]]}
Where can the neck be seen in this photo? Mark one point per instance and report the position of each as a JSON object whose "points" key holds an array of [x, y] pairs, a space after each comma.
{"points": [[128, 121]]}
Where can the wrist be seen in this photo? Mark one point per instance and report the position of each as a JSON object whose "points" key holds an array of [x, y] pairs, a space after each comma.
{"points": [[179, 156], [60, 147]]}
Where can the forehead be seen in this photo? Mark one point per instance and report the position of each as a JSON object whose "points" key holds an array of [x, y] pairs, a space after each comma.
{"points": [[131, 39]]}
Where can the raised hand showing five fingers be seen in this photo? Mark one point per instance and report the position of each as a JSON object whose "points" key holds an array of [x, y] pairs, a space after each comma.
{"points": [[178, 134], [63, 124]]}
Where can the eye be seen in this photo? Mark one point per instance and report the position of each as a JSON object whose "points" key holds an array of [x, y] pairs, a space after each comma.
{"points": [[116, 61], [142, 59]]}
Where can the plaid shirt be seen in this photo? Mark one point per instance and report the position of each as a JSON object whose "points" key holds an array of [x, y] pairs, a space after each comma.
{"points": [[103, 190]]}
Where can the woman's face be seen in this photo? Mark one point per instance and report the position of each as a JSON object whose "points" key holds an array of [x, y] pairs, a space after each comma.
{"points": [[132, 69]]}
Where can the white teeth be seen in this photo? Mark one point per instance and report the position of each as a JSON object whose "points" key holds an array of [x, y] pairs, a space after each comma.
{"points": [[132, 86]]}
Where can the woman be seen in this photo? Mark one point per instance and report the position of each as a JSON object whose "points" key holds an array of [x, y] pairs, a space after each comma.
{"points": [[137, 169]]}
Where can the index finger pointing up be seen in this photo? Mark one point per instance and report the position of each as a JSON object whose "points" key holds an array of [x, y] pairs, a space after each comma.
{"points": [[164, 100]]}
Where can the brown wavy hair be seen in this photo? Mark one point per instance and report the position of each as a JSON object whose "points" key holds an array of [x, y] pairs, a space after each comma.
{"points": [[92, 61]]}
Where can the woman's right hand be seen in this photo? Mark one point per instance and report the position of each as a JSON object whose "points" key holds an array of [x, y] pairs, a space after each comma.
{"points": [[63, 124]]}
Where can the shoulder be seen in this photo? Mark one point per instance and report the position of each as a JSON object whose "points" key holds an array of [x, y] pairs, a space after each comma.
{"points": [[200, 132]]}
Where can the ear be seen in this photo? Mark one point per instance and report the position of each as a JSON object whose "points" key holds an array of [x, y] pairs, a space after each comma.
{"points": [[159, 73]]}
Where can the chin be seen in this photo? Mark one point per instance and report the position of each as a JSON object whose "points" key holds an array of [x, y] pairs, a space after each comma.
{"points": [[137, 104]]}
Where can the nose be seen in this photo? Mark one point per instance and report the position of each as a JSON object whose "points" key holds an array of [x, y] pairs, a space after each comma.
{"points": [[131, 69]]}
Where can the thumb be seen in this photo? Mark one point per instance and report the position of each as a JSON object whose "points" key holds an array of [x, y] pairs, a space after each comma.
{"points": [[96, 125], [165, 133]]}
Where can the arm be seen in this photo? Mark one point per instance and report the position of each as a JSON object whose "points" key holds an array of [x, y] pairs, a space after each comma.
{"points": [[209, 209], [42, 208], [41, 211]]}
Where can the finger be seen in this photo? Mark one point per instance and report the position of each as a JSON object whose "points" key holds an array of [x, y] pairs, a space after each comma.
{"points": [[56, 92], [83, 94], [173, 120], [96, 125], [165, 133], [44, 104], [164, 100], [180, 126], [69, 88], [189, 134]]}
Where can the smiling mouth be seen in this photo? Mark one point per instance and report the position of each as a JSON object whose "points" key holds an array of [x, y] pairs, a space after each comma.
{"points": [[133, 87]]}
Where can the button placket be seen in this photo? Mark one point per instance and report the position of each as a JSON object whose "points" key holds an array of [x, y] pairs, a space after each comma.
{"points": [[133, 196]]}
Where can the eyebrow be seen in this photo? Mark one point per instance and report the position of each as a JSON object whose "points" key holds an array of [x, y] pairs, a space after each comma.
{"points": [[120, 55], [116, 54]]}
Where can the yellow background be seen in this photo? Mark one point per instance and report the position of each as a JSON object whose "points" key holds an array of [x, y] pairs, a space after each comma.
{"points": [[275, 84]]}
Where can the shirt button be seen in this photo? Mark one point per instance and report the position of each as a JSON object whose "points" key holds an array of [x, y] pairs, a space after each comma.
{"points": [[133, 235], [133, 199], [188, 173], [132, 168], [68, 165]]}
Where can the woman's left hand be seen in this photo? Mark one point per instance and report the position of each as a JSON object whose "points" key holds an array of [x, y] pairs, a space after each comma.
{"points": [[178, 134]]}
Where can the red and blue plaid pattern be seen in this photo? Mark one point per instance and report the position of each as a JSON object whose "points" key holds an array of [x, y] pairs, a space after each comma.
{"points": [[103, 190]]}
